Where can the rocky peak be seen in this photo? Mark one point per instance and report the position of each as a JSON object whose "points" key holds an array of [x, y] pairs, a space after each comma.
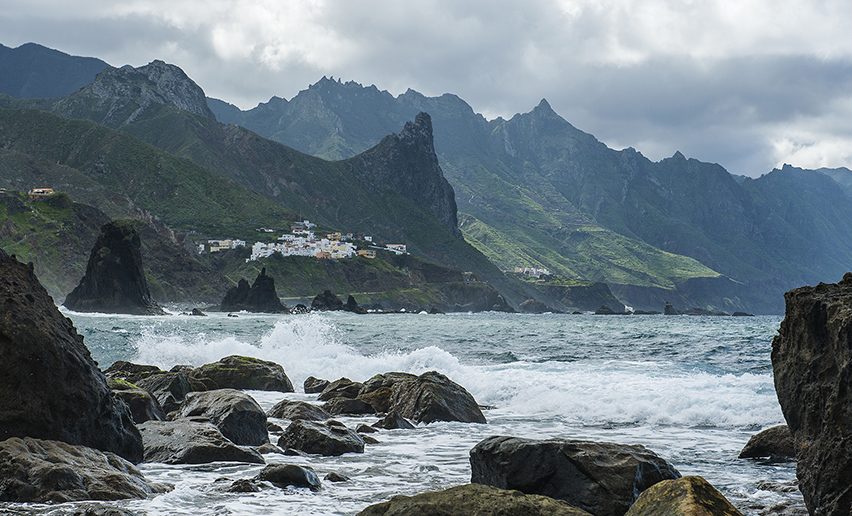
{"points": [[406, 163]]}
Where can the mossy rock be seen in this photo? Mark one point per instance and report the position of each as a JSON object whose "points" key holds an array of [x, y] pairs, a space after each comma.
{"points": [[686, 496], [379, 398], [476, 499], [240, 372]]}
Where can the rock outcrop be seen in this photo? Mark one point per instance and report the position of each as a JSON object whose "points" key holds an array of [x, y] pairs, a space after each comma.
{"points": [[47, 471], [191, 442], [687, 496], [239, 372], [601, 478], [326, 301], [260, 297], [473, 499], [812, 363], [114, 281], [434, 397], [50, 388]]}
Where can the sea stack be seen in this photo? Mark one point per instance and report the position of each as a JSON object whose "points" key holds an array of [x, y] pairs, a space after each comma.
{"points": [[811, 357], [114, 281], [260, 297], [50, 388]]}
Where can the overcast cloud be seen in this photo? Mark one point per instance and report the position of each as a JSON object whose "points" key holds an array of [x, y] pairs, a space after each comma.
{"points": [[749, 84]]}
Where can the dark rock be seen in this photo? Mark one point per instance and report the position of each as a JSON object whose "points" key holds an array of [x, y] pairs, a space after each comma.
{"points": [[314, 385], [244, 485], [671, 310], [352, 306], [348, 406], [601, 478], [327, 301], [301, 309], [336, 477], [263, 449], [379, 399], [190, 442], [293, 410], [238, 372], [114, 281], [531, 306], [50, 388], [342, 388], [474, 499], [365, 429], [687, 496], [272, 427], [329, 438], [385, 380], [394, 421], [131, 372], [811, 357], [170, 389], [605, 310], [741, 314], [283, 475], [236, 414], [36, 471], [434, 397], [143, 406], [369, 439], [260, 297], [775, 442], [197, 312], [436, 311]]}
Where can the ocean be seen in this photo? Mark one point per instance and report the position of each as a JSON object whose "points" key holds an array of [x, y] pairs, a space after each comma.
{"points": [[692, 389]]}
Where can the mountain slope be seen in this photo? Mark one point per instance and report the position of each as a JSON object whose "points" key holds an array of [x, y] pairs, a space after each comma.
{"points": [[35, 71]]}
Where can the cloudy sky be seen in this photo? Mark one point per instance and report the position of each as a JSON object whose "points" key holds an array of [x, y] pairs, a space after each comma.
{"points": [[748, 84]]}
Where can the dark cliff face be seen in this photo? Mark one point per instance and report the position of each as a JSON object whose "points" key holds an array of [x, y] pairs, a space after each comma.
{"points": [[50, 388], [406, 163], [260, 297], [811, 357], [114, 280]]}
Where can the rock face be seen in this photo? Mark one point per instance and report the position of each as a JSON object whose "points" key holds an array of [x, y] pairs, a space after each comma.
{"points": [[114, 280], [51, 471], [423, 183], [601, 478], [811, 357], [50, 388], [238, 372], [687, 496], [190, 442], [260, 297], [473, 499], [326, 301], [329, 438], [237, 415], [434, 397], [775, 442]]}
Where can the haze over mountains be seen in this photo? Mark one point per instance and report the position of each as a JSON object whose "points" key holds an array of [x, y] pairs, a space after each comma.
{"points": [[532, 191]]}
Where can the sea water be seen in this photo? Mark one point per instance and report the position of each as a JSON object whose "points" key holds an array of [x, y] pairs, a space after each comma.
{"points": [[692, 389]]}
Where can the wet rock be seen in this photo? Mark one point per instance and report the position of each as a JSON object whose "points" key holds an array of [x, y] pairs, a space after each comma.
{"points": [[314, 385], [812, 365], [284, 475], [130, 372], [238, 372], [369, 439], [236, 414], [293, 410], [191, 442], [50, 388], [394, 421], [342, 388], [326, 301], [170, 389], [531, 306], [434, 397], [336, 477], [685, 496], [244, 485], [775, 442], [365, 429], [348, 406], [198, 313], [143, 406], [114, 281], [272, 427], [43, 471], [260, 297], [329, 438], [601, 478], [379, 399], [263, 449], [473, 499]]}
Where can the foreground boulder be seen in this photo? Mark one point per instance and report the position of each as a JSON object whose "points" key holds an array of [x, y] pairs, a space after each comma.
{"points": [[50, 388], [330, 438], [239, 372], [775, 442], [472, 499], [601, 478], [687, 496], [114, 281], [314, 385], [812, 364], [190, 442], [434, 397], [51, 471], [260, 297], [236, 414]]}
